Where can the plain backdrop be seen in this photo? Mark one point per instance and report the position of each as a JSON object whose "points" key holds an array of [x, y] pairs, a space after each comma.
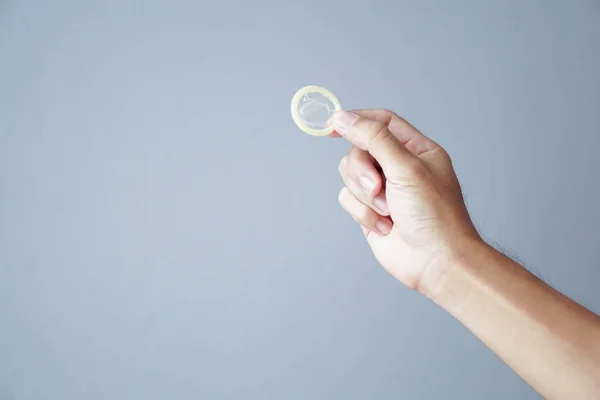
{"points": [[167, 232]]}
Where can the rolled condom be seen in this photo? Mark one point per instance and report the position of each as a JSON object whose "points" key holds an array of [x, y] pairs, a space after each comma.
{"points": [[312, 106]]}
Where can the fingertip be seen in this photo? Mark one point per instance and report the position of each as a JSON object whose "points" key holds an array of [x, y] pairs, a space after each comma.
{"points": [[330, 124], [384, 226], [370, 183], [343, 121], [380, 202], [361, 168]]}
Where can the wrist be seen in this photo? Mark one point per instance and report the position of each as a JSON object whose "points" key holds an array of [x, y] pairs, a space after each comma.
{"points": [[447, 279]]}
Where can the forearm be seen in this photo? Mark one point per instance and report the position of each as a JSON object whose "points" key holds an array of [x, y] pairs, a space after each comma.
{"points": [[550, 341]]}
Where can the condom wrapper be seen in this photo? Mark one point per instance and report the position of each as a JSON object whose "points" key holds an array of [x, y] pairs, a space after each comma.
{"points": [[312, 107]]}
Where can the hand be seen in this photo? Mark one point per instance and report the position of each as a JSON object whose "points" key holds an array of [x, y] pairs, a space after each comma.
{"points": [[402, 189]]}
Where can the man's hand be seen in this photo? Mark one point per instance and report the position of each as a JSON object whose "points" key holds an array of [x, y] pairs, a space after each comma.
{"points": [[401, 188]]}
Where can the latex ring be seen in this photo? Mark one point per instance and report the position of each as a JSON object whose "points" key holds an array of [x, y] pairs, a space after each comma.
{"points": [[312, 106]]}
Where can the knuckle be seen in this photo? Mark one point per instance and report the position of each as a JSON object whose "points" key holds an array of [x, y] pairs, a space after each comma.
{"points": [[342, 165], [359, 211], [353, 152], [397, 118], [442, 161], [445, 156], [367, 216], [342, 195], [378, 131], [439, 152], [359, 160], [389, 115]]}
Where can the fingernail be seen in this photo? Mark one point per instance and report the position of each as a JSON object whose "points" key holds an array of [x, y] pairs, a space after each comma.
{"points": [[367, 184], [383, 226], [343, 122], [380, 203]]}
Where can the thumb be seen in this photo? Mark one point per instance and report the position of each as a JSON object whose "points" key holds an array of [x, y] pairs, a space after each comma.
{"points": [[397, 162]]}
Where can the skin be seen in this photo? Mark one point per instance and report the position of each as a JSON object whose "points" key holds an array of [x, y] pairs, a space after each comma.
{"points": [[402, 190]]}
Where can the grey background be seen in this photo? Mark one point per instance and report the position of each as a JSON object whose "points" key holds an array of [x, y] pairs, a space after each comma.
{"points": [[166, 232]]}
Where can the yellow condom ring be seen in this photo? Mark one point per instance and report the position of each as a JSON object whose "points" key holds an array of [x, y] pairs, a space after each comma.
{"points": [[312, 106]]}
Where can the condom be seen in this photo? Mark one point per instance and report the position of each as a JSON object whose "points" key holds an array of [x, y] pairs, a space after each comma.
{"points": [[312, 107]]}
